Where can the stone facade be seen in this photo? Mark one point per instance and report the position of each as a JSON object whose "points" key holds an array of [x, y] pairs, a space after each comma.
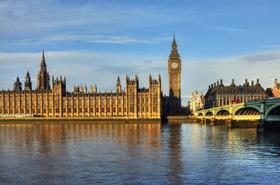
{"points": [[54, 101], [196, 101], [220, 95]]}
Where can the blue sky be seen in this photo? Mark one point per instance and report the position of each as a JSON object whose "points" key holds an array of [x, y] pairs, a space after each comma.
{"points": [[94, 41]]}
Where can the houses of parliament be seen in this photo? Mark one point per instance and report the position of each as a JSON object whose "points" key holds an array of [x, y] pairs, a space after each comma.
{"points": [[51, 99]]}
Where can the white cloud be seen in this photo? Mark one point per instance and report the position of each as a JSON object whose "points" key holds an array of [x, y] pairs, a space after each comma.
{"points": [[87, 67]]}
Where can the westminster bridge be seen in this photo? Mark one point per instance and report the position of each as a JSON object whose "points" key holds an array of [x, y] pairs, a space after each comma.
{"points": [[265, 111]]}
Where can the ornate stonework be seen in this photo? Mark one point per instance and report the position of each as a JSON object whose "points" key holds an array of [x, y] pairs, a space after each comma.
{"points": [[131, 102]]}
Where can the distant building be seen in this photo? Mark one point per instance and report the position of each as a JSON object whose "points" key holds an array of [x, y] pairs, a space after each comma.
{"points": [[196, 101], [219, 95], [275, 90]]}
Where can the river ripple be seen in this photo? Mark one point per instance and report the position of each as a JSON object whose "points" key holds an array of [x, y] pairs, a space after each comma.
{"points": [[136, 154]]}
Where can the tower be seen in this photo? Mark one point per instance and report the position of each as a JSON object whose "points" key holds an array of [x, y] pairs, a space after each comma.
{"points": [[27, 83], [118, 85], [174, 80], [17, 85], [174, 72], [43, 78]]}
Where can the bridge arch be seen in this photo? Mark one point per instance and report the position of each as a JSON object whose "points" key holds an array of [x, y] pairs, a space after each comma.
{"points": [[273, 113], [200, 114], [222, 113], [246, 111], [209, 113]]}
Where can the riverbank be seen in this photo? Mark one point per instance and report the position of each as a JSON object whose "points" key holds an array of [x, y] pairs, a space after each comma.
{"points": [[39, 120]]}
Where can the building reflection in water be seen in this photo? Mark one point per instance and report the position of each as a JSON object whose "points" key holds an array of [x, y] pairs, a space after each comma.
{"points": [[62, 149], [40, 136], [175, 164]]}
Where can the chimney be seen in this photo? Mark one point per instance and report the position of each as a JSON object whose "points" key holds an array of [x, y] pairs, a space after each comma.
{"points": [[275, 82], [252, 83], [258, 82], [246, 81], [221, 82], [218, 83]]}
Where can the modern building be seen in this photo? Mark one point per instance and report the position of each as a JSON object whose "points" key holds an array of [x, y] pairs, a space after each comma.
{"points": [[51, 98], [219, 95], [196, 101]]}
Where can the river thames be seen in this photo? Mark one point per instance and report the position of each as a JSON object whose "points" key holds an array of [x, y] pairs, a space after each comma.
{"points": [[136, 154]]}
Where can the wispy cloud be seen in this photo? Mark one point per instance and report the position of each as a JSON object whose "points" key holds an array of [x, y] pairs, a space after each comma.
{"points": [[88, 67], [86, 39], [227, 29], [109, 39]]}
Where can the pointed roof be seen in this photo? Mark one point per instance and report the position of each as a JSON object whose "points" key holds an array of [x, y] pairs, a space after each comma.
{"points": [[174, 44], [174, 51], [43, 61], [27, 75], [17, 79]]}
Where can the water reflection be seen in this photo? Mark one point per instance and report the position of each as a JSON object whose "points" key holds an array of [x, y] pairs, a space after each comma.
{"points": [[175, 165], [136, 154]]}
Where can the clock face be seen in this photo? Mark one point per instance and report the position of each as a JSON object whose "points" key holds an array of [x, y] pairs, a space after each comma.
{"points": [[174, 65]]}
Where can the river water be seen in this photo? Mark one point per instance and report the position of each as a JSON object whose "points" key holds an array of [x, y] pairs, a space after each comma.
{"points": [[136, 154]]}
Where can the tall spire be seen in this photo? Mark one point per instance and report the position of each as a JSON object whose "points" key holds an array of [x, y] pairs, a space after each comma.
{"points": [[118, 80], [174, 51], [43, 61], [43, 78], [174, 44]]}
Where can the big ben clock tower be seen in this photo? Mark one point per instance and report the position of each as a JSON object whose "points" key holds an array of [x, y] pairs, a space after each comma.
{"points": [[174, 72], [174, 80]]}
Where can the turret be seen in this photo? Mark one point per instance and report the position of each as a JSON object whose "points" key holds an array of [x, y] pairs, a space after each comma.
{"points": [[27, 83], [59, 86], [118, 85], [93, 89], [232, 82], [17, 85]]}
